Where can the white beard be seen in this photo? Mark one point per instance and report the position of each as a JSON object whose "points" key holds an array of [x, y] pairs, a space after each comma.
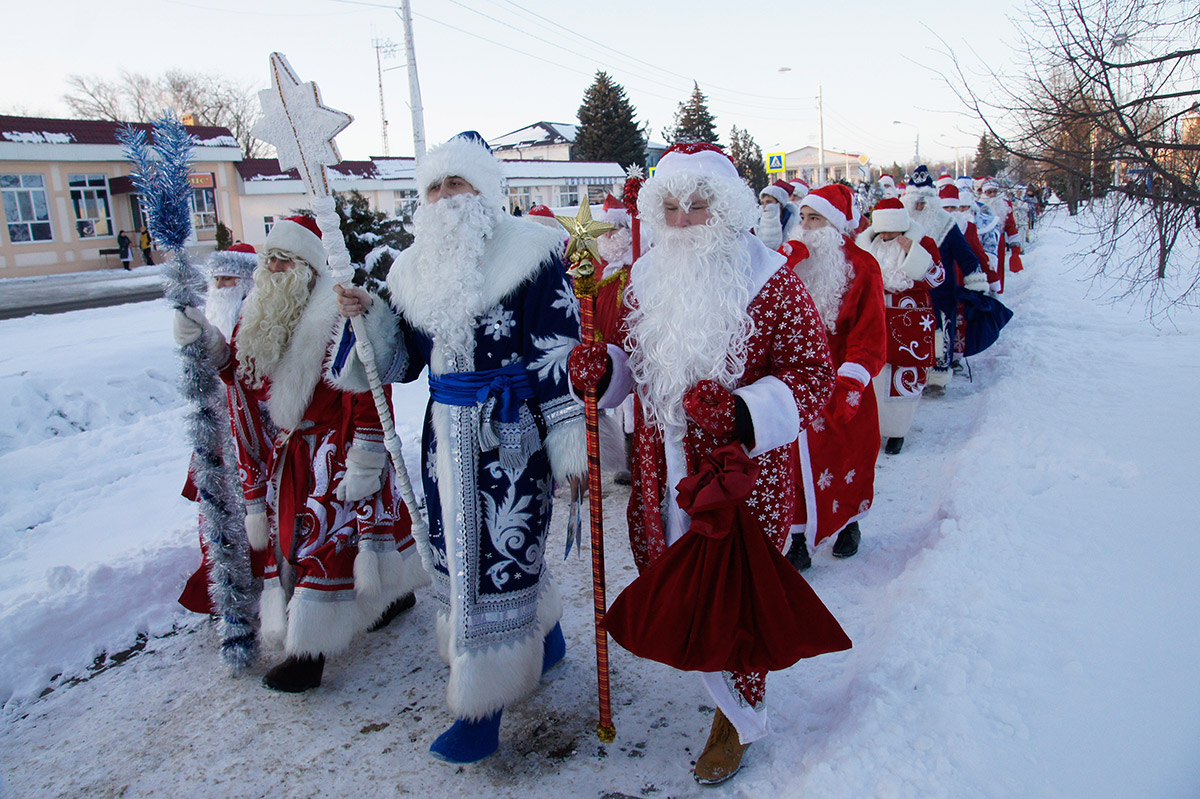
{"points": [[825, 272], [616, 248], [998, 206], [689, 321], [224, 305], [891, 257], [963, 219], [446, 267], [269, 319]]}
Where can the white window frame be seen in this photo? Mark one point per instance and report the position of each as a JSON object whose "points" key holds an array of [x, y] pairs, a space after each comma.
{"points": [[28, 184], [209, 214], [268, 223], [406, 201], [520, 197], [568, 196], [93, 196]]}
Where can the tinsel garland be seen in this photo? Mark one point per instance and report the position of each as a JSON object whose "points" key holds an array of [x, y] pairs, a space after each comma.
{"points": [[166, 195]]}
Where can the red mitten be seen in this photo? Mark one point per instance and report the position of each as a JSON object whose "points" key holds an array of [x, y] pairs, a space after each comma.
{"points": [[1014, 263], [711, 405], [847, 397], [587, 366]]}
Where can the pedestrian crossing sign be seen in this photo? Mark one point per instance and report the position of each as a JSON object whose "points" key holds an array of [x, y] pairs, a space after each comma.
{"points": [[775, 162]]}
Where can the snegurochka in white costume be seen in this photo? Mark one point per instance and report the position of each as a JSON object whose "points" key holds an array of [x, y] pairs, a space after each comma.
{"points": [[483, 300]]}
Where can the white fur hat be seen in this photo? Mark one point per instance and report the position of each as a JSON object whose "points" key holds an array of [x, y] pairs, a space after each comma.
{"points": [[238, 261], [466, 156], [890, 216], [298, 236], [782, 192]]}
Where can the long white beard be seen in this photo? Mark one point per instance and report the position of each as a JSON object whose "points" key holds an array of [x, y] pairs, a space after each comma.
{"points": [[891, 257], [269, 319], [825, 272], [963, 219], [444, 273], [225, 304], [688, 321], [998, 206], [616, 248]]}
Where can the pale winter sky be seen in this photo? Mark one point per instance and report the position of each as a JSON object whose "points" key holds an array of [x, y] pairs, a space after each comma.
{"points": [[498, 65]]}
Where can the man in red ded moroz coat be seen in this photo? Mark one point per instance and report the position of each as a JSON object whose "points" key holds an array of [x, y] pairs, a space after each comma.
{"points": [[726, 356], [838, 449]]}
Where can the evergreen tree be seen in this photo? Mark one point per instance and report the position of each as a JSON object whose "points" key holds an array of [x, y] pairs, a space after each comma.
{"points": [[693, 121], [989, 159], [607, 130], [748, 157], [365, 231]]}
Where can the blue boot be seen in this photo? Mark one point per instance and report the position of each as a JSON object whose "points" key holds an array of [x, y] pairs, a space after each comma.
{"points": [[554, 648], [469, 741]]}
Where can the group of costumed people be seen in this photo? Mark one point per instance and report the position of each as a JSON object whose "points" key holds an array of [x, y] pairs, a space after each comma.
{"points": [[741, 366]]}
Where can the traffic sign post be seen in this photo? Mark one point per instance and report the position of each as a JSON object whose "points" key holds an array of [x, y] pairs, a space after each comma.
{"points": [[776, 163]]}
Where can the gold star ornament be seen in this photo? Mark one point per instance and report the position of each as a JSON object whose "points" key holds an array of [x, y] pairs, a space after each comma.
{"points": [[583, 230]]}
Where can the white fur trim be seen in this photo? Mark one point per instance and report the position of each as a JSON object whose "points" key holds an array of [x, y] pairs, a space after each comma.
{"points": [[612, 443], [778, 194], [975, 281], [515, 251], [382, 330], [320, 624], [295, 239], [938, 377], [620, 384], [856, 371], [258, 532], [487, 680], [295, 376], [773, 411], [468, 160], [566, 445], [918, 260], [272, 611], [398, 573], [367, 581], [706, 163], [890, 220], [764, 263]]}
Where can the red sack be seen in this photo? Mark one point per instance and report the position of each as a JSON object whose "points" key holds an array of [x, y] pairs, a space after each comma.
{"points": [[722, 598]]}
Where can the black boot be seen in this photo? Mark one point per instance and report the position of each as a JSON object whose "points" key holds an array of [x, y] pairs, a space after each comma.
{"points": [[296, 675], [393, 610], [798, 555], [894, 444], [847, 541]]}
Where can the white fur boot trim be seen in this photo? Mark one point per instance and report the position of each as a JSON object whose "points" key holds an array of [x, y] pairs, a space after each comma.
{"points": [[399, 573], [367, 581], [272, 611], [321, 622]]}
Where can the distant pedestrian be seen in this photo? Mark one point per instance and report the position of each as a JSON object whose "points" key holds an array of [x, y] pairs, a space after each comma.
{"points": [[125, 245], [144, 244]]}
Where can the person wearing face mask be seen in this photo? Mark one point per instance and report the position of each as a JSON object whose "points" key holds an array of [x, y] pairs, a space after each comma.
{"points": [[777, 217]]}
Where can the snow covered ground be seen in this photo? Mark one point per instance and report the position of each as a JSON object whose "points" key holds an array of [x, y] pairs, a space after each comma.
{"points": [[1024, 612]]}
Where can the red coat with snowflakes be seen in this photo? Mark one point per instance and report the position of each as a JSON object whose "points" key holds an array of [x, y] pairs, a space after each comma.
{"points": [[836, 478], [307, 426]]}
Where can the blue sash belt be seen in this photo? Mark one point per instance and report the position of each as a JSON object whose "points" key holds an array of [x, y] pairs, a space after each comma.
{"points": [[504, 417]]}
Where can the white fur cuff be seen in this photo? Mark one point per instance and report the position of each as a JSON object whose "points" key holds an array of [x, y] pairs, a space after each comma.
{"points": [[773, 412], [620, 384], [566, 445], [856, 371], [383, 330]]}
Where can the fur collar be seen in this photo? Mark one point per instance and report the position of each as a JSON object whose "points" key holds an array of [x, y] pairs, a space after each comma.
{"points": [[939, 225], [514, 252], [295, 377], [764, 263]]}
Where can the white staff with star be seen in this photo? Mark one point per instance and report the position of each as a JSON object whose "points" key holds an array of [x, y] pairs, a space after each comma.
{"points": [[302, 129]]}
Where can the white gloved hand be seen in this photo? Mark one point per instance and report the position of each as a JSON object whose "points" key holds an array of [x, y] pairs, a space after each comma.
{"points": [[191, 324], [976, 281], [256, 530], [364, 474]]}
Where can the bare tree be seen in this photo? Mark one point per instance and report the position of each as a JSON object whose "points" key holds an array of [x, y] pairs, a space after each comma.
{"points": [[1102, 101], [211, 99]]}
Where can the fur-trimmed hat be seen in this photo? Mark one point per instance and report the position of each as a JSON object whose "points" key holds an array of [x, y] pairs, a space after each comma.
{"points": [[687, 166], [781, 192], [949, 196], [543, 215], [238, 261], [800, 188], [298, 236], [920, 185], [964, 183], [945, 179], [890, 216], [614, 212], [835, 202], [465, 156]]}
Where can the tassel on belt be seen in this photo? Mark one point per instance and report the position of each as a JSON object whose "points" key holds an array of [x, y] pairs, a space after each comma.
{"points": [[505, 421]]}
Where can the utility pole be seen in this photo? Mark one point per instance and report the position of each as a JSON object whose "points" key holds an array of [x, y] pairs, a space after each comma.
{"points": [[820, 138], [414, 85], [384, 48]]}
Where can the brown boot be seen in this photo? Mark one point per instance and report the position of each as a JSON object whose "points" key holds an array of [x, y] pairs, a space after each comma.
{"points": [[722, 755]]}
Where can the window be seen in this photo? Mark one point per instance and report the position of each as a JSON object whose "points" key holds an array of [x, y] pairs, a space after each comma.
{"points": [[519, 197], [25, 208], [204, 209], [596, 194], [268, 223], [89, 198], [138, 213], [406, 202], [568, 195]]}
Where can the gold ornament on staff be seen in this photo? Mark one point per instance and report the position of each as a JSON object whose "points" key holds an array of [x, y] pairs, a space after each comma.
{"points": [[583, 255]]}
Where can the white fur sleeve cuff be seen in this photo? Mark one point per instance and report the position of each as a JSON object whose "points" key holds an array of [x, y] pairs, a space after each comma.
{"points": [[566, 444], [856, 371], [917, 262], [383, 330], [773, 412], [621, 382]]}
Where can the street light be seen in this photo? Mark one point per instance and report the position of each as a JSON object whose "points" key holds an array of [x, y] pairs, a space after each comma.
{"points": [[917, 149]]}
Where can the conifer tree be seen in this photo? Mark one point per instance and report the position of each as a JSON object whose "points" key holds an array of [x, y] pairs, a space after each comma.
{"points": [[748, 157], [988, 158], [607, 130], [693, 121]]}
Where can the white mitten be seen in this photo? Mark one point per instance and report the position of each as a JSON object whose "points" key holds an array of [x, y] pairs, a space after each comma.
{"points": [[976, 281], [256, 530], [364, 474], [994, 286], [191, 324]]}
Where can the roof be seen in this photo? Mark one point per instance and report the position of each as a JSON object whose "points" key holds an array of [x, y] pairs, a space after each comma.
{"points": [[46, 130], [259, 169], [539, 133]]}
